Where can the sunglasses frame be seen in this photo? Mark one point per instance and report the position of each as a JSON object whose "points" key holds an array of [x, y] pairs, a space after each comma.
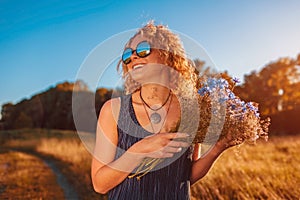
{"points": [[132, 51]]}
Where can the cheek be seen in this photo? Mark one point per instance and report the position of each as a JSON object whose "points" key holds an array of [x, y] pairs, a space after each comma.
{"points": [[155, 57]]}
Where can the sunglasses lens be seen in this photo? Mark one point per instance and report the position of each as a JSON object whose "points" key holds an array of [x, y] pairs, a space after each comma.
{"points": [[126, 56], [143, 49]]}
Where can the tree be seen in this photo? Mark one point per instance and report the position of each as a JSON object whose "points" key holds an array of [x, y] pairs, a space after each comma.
{"points": [[7, 115], [23, 121], [276, 87]]}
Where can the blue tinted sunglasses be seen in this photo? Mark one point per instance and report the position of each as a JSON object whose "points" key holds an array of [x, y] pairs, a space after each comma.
{"points": [[143, 49]]}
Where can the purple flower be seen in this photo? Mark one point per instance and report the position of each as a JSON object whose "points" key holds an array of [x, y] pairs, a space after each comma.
{"points": [[236, 80]]}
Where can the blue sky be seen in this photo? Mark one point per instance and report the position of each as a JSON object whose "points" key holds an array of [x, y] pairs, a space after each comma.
{"points": [[45, 42]]}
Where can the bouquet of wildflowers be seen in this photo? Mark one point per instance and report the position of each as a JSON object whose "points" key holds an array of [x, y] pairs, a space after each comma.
{"points": [[224, 114]]}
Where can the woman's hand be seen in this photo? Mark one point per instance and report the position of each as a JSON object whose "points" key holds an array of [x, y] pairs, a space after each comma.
{"points": [[229, 140], [160, 145]]}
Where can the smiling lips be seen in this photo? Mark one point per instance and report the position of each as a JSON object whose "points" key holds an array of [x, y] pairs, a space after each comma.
{"points": [[138, 66]]}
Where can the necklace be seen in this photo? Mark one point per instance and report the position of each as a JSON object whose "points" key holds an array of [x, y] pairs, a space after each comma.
{"points": [[159, 116], [155, 117]]}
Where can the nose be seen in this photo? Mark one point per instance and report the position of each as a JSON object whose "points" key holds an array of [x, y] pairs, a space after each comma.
{"points": [[133, 55]]}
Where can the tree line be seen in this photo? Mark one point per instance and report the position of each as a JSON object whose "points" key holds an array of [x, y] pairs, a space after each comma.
{"points": [[276, 88], [52, 109]]}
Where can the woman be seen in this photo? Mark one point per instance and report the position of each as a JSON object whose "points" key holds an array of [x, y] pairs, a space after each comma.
{"points": [[144, 124]]}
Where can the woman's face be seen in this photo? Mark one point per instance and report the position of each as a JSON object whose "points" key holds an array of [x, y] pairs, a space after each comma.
{"points": [[141, 69], [154, 56]]}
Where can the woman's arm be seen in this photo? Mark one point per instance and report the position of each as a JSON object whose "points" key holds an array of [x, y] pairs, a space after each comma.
{"points": [[106, 172], [201, 165]]}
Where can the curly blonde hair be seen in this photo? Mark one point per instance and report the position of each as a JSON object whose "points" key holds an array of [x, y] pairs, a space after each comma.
{"points": [[172, 52]]}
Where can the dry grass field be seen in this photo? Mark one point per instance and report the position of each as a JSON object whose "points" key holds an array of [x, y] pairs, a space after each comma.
{"points": [[64, 148], [268, 170], [20, 178]]}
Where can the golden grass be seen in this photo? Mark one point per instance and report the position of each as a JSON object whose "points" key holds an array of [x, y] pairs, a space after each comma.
{"points": [[76, 163], [268, 170], [62, 147], [20, 178]]}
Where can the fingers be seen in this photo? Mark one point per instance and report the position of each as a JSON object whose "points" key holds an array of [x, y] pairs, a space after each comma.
{"points": [[166, 152], [171, 138], [169, 150], [175, 135], [165, 155], [174, 143], [168, 139], [163, 145], [172, 149]]}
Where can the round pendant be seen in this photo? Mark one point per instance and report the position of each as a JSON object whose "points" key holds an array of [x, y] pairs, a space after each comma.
{"points": [[155, 118]]}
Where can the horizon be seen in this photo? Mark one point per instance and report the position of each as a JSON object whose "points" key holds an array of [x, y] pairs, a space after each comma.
{"points": [[46, 43]]}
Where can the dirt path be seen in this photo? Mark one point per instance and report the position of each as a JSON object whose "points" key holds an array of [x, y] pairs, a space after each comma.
{"points": [[30, 176], [69, 191]]}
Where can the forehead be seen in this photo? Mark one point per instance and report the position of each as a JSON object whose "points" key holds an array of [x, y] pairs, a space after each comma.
{"points": [[136, 40], [155, 44]]}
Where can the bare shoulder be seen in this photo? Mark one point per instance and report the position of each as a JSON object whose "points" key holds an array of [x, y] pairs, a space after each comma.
{"points": [[110, 109]]}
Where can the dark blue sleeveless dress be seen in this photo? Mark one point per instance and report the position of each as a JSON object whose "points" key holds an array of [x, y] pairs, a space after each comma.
{"points": [[168, 182]]}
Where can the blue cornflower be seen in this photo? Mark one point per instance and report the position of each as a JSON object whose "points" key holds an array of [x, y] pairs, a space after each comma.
{"points": [[231, 95], [202, 91], [222, 83], [244, 109], [212, 83], [251, 107], [233, 106], [223, 99], [242, 103]]}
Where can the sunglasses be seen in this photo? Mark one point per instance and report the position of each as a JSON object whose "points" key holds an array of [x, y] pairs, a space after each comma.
{"points": [[143, 49]]}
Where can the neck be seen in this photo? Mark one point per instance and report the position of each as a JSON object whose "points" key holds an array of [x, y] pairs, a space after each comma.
{"points": [[155, 94]]}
